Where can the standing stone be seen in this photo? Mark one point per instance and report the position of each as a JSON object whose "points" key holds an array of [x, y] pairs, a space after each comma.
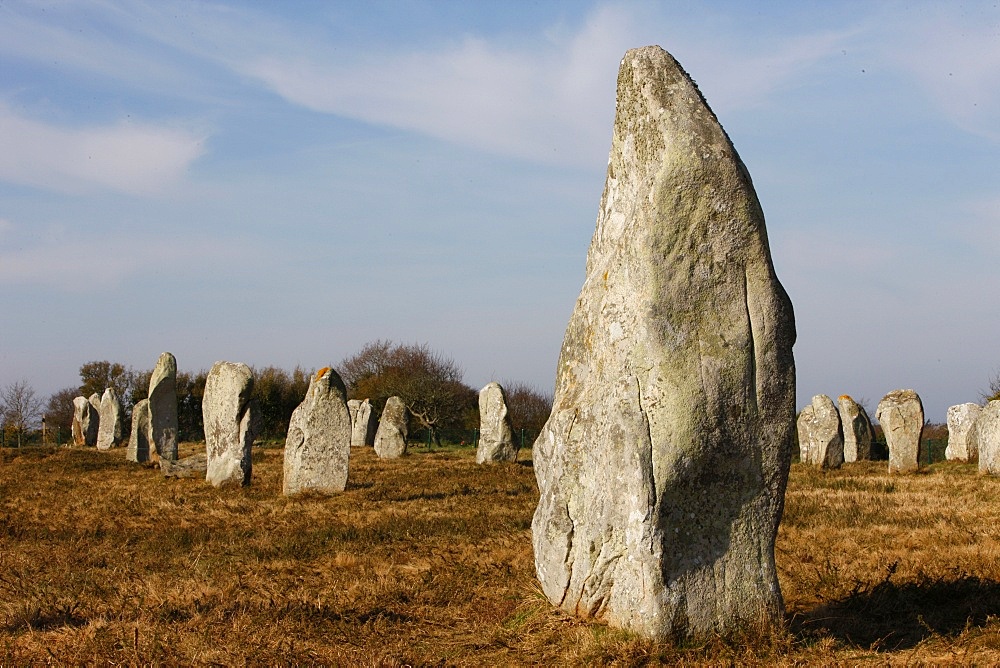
{"points": [[352, 408], [988, 438], [318, 445], [821, 438], [230, 424], [364, 425], [390, 439], [109, 431], [858, 431], [496, 441], [962, 441], [163, 406], [141, 437], [902, 418], [662, 467], [86, 422]]}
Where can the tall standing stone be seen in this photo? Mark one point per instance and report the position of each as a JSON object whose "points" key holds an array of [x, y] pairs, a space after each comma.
{"points": [[988, 438], [962, 441], [662, 467], [496, 440], [901, 415], [230, 425], [390, 439], [109, 430], [163, 406], [141, 437], [85, 422], [858, 431], [318, 445], [821, 438], [364, 425]]}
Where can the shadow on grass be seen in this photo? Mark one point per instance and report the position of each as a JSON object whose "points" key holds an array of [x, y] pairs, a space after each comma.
{"points": [[890, 616]]}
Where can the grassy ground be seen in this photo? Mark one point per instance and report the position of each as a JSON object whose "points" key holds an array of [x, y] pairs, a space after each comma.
{"points": [[427, 560]]}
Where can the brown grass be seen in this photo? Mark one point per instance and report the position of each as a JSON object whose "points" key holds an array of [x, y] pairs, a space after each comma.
{"points": [[427, 560]]}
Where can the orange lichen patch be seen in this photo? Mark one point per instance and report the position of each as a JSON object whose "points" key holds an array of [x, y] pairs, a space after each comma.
{"points": [[846, 396], [319, 374], [605, 277]]}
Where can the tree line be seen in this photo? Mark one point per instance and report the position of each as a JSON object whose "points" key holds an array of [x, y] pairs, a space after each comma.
{"points": [[441, 405]]}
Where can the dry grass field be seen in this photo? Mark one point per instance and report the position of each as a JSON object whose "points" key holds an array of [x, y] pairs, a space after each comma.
{"points": [[427, 561]]}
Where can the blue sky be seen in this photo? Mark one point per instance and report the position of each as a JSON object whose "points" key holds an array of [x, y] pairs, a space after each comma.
{"points": [[280, 183]]}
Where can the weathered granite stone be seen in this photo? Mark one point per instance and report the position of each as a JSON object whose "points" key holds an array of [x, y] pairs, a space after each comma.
{"points": [[821, 439], [163, 406], [962, 441], [496, 441], [86, 421], [988, 438], [95, 401], [352, 408], [901, 415], [230, 424], [109, 430], [318, 445], [141, 436], [390, 439], [662, 467], [858, 431], [364, 425]]}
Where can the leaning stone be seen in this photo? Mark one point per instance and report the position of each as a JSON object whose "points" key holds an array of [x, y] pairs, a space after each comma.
{"points": [[364, 425], [988, 438], [962, 442], [662, 468], [194, 466], [901, 415], [858, 431], [821, 438], [496, 441], [163, 406], [109, 431], [86, 422], [390, 439], [318, 445], [230, 424], [141, 436]]}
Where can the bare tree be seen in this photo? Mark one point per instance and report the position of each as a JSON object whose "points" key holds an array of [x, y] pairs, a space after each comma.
{"points": [[20, 408], [529, 408], [993, 390], [429, 383]]}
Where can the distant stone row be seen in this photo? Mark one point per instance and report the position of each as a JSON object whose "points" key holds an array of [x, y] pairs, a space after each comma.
{"points": [[831, 435], [321, 431]]}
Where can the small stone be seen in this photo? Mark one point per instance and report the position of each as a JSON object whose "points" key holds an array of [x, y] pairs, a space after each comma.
{"points": [[858, 431], [318, 445], [230, 424], [821, 439], [195, 466], [390, 439], [496, 442], [901, 415], [141, 436], [352, 408], [364, 426], [962, 440], [163, 406], [109, 431], [988, 438]]}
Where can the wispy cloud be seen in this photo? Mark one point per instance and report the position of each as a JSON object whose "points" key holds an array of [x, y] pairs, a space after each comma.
{"points": [[58, 256], [129, 157]]}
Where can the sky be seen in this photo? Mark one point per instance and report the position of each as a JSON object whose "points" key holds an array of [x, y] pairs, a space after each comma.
{"points": [[281, 183]]}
